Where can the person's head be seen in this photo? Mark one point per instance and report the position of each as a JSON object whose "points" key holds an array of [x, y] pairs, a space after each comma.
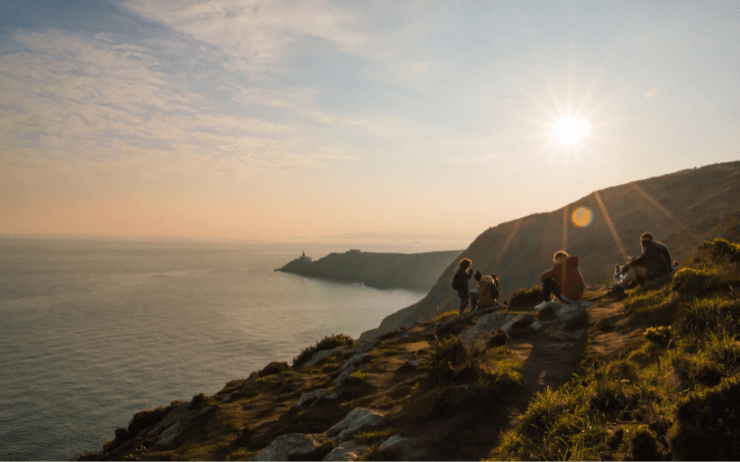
{"points": [[477, 276], [465, 263], [495, 279], [645, 239], [560, 257]]}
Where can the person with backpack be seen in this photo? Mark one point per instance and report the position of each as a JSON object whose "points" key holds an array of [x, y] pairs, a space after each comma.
{"points": [[564, 280], [463, 273], [488, 290]]}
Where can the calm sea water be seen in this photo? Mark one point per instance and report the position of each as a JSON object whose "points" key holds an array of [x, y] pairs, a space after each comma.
{"points": [[92, 332]]}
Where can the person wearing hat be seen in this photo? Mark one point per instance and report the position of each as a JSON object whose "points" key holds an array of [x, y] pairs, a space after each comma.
{"points": [[654, 263]]}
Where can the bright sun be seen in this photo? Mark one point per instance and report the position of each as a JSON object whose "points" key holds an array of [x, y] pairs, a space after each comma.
{"points": [[569, 130]]}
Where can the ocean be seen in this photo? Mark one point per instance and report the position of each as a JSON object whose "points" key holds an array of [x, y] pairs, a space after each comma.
{"points": [[93, 331]]}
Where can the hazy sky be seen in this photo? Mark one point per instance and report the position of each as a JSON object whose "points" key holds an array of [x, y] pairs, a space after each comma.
{"points": [[288, 119]]}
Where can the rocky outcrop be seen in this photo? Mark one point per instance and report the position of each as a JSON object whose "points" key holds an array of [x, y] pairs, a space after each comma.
{"points": [[358, 419], [319, 355], [349, 450], [485, 328], [402, 448], [289, 447]]}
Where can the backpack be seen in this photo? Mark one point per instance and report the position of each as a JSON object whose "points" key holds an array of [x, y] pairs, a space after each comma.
{"points": [[456, 280]]}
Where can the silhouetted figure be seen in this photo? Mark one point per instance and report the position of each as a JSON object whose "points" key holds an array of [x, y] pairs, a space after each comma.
{"points": [[564, 280], [463, 273], [488, 290], [654, 263]]}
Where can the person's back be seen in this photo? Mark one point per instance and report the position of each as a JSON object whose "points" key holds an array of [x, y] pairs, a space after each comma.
{"points": [[568, 277], [655, 258], [487, 291]]}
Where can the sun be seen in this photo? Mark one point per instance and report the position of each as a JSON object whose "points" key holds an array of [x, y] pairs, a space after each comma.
{"points": [[569, 130]]}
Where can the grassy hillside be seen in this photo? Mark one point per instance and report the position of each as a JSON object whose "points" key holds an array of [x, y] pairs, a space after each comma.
{"points": [[650, 375]]}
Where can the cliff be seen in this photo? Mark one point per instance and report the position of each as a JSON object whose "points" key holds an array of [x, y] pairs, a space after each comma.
{"points": [[679, 209], [381, 270], [647, 376]]}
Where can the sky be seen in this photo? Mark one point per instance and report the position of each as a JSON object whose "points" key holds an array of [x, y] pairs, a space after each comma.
{"points": [[294, 120]]}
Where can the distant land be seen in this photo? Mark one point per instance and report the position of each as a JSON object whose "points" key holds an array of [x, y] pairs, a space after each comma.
{"points": [[380, 270], [379, 235], [680, 209]]}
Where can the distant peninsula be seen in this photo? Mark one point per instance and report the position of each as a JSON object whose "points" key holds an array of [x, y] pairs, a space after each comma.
{"points": [[418, 271]]}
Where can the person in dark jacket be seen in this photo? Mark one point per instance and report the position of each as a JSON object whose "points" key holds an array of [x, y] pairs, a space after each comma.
{"points": [[460, 281], [654, 263]]}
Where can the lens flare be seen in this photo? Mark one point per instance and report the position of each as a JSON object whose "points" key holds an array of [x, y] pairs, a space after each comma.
{"points": [[582, 217]]}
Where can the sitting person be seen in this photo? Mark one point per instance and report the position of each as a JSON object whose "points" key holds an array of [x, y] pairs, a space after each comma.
{"points": [[488, 290], [654, 263], [463, 273], [564, 280]]}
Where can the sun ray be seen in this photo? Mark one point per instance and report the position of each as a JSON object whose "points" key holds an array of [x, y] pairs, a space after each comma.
{"points": [[609, 223], [668, 214], [564, 245], [509, 238]]}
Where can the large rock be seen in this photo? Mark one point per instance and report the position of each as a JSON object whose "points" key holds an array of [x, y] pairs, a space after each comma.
{"points": [[287, 447], [402, 448], [349, 450], [166, 431], [311, 397], [485, 327], [358, 419], [319, 355], [345, 375], [354, 360], [520, 321]]}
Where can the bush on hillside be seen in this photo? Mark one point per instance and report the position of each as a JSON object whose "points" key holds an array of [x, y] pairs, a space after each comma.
{"points": [[526, 297], [690, 282], [452, 362], [721, 250], [197, 401], [273, 368], [327, 343], [660, 335], [707, 424]]}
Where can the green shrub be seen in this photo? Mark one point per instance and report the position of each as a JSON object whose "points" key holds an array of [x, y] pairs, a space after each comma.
{"points": [[690, 282], [702, 314], [327, 343], [197, 401], [723, 349], [526, 297], [146, 418], [644, 445], [659, 335], [721, 250], [707, 425], [452, 362], [273, 368]]}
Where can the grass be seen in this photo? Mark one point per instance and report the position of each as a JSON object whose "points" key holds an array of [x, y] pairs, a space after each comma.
{"points": [[327, 343], [669, 396]]}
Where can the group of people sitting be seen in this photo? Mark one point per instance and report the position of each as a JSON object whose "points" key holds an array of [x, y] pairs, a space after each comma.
{"points": [[564, 280]]}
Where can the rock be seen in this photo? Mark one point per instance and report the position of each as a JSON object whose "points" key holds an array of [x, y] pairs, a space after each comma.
{"points": [[319, 355], [485, 327], [402, 448], [574, 320], [366, 345], [252, 378], [287, 447], [311, 397], [166, 431], [349, 450], [537, 325], [547, 313], [566, 309], [565, 336], [356, 420], [450, 326], [332, 395], [521, 321], [354, 360], [345, 374], [413, 363]]}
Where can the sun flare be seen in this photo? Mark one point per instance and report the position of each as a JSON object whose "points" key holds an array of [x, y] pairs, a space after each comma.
{"points": [[570, 130]]}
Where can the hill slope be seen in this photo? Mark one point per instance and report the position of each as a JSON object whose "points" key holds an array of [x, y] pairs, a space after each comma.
{"points": [[679, 209], [658, 379]]}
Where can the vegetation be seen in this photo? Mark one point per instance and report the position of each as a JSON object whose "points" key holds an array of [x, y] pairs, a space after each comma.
{"points": [[327, 343], [526, 297], [668, 397]]}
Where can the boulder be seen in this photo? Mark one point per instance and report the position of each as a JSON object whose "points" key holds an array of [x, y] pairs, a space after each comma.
{"points": [[547, 313], [344, 375], [520, 321], [166, 431], [450, 326], [402, 448], [356, 359], [289, 447], [564, 310], [357, 419], [349, 450], [537, 325], [485, 327], [319, 355], [311, 397], [252, 378]]}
